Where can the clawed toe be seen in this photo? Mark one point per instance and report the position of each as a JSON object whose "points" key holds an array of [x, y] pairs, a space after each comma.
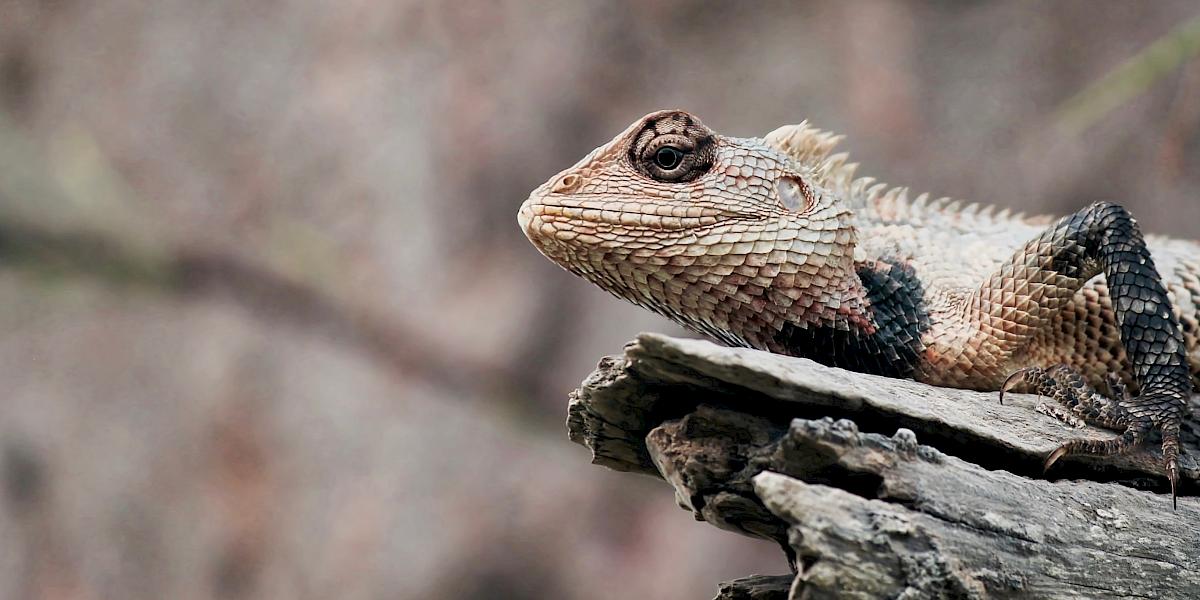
{"points": [[1170, 450], [1070, 390], [1053, 457], [1061, 413], [1018, 378]]}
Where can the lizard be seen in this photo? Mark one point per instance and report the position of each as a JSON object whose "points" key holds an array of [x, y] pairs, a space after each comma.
{"points": [[775, 243]]}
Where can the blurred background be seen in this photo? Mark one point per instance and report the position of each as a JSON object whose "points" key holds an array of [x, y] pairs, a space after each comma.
{"points": [[270, 329]]}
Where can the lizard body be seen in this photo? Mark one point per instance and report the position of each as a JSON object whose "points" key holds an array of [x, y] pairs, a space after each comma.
{"points": [[774, 243]]}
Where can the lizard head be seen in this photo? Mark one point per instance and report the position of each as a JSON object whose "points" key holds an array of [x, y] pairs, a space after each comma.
{"points": [[728, 236]]}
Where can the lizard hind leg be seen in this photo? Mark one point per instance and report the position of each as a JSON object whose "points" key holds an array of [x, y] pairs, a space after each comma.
{"points": [[1044, 277]]}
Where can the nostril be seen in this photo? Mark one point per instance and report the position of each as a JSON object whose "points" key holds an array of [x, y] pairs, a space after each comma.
{"points": [[566, 184]]}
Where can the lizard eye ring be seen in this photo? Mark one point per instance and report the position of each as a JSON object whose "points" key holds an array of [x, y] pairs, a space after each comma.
{"points": [[672, 147], [668, 157], [672, 159]]}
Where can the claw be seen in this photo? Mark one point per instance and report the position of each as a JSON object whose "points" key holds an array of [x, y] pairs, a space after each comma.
{"points": [[1170, 450], [1017, 378], [1173, 477], [1058, 453]]}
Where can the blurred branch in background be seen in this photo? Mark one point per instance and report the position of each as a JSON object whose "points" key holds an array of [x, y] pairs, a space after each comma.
{"points": [[199, 274], [85, 224], [1131, 78]]}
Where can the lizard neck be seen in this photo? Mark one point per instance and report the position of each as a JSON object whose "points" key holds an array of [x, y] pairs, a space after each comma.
{"points": [[806, 280], [884, 339]]}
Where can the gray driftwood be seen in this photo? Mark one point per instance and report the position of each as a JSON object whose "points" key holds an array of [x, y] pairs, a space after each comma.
{"points": [[827, 464]]}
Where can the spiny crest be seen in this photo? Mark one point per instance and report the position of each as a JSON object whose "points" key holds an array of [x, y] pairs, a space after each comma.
{"points": [[803, 142], [811, 148]]}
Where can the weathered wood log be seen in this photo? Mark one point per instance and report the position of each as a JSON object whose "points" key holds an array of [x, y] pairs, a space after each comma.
{"points": [[826, 463]]}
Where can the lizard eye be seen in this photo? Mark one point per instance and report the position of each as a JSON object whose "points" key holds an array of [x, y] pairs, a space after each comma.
{"points": [[673, 159], [668, 157], [672, 147]]}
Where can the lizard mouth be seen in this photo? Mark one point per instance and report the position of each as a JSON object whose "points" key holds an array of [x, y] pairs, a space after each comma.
{"points": [[582, 216], [525, 216]]}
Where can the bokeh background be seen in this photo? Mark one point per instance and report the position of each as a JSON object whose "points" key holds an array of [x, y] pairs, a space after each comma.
{"points": [[270, 329]]}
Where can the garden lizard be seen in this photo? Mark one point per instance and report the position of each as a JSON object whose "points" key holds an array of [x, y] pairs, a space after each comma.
{"points": [[774, 243]]}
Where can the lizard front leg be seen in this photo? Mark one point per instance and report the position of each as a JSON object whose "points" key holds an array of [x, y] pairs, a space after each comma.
{"points": [[1025, 294]]}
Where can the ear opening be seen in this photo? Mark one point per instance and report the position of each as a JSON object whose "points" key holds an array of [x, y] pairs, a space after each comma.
{"points": [[793, 194]]}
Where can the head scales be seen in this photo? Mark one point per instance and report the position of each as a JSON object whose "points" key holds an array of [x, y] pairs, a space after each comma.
{"points": [[746, 235]]}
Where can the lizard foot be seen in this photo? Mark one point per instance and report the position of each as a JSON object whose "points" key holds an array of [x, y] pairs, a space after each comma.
{"points": [[1135, 417], [1071, 391]]}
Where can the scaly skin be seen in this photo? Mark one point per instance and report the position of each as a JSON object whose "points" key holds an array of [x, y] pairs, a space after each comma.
{"points": [[773, 244]]}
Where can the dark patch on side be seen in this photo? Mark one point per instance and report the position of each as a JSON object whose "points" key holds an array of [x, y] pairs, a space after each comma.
{"points": [[897, 303]]}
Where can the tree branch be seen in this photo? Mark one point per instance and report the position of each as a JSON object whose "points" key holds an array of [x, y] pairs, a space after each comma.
{"points": [[826, 463]]}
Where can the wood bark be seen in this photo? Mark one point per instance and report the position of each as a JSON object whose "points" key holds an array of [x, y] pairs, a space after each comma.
{"points": [[827, 464]]}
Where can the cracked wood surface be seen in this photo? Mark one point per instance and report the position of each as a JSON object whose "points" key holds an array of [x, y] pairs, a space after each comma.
{"points": [[660, 377], [746, 439]]}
